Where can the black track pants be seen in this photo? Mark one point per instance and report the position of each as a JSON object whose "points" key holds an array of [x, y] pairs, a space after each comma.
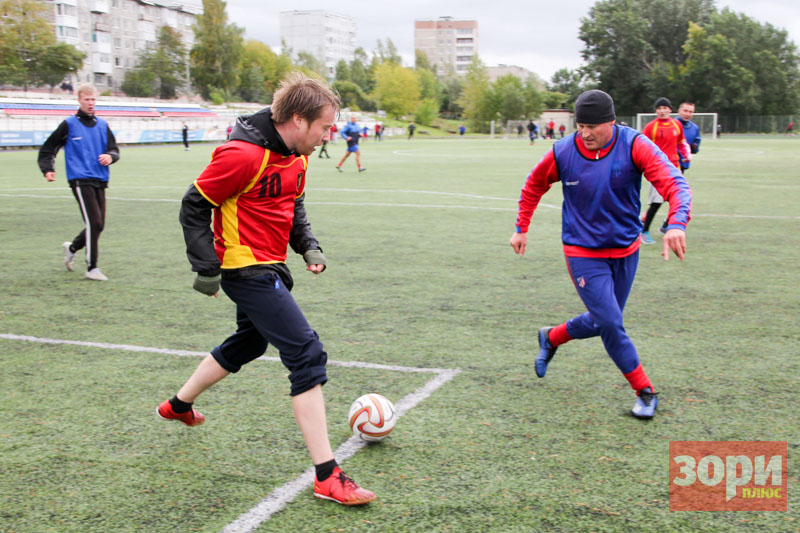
{"points": [[92, 201]]}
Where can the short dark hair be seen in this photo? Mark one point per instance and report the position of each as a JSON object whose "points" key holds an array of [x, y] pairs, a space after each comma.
{"points": [[304, 96], [687, 103]]}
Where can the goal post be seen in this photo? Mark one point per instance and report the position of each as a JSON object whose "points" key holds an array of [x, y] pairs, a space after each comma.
{"points": [[707, 122]]}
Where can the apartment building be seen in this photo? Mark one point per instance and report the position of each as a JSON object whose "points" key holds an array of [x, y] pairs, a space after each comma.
{"points": [[113, 32], [328, 36], [497, 71], [447, 42]]}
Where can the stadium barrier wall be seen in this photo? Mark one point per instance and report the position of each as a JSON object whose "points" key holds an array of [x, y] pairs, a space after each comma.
{"points": [[34, 131], [30, 132]]}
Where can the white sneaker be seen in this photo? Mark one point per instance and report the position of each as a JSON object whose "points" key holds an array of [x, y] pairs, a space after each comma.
{"points": [[96, 275], [69, 257]]}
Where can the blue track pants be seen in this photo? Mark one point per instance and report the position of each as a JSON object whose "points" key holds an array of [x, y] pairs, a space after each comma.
{"points": [[604, 286]]}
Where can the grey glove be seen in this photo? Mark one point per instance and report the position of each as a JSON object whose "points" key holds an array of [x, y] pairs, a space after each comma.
{"points": [[208, 285], [315, 257]]}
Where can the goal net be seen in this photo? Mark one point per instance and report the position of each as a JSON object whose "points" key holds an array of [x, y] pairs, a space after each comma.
{"points": [[707, 122]]}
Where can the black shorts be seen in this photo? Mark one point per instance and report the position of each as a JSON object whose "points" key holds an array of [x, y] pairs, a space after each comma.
{"points": [[266, 313]]}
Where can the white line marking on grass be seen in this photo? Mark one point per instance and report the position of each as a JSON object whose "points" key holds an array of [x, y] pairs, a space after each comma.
{"points": [[434, 206], [431, 155], [413, 191], [354, 204], [287, 492], [421, 206], [188, 353], [767, 217], [116, 187], [171, 200], [279, 497]]}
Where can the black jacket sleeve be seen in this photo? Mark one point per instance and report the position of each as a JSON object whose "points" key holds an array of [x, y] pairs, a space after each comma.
{"points": [[195, 217], [111, 147], [300, 238], [50, 148]]}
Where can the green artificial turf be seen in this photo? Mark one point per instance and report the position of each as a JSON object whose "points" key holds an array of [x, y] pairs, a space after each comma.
{"points": [[420, 275]]}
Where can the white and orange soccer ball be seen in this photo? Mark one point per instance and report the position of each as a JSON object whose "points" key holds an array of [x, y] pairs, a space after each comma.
{"points": [[372, 417]]}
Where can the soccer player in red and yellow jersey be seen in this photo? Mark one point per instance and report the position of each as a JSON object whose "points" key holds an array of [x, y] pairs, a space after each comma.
{"points": [[667, 134], [254, 186]]}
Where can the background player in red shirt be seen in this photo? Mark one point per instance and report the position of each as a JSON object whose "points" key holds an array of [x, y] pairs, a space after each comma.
{"points": [[667, 133], [255, 188]]}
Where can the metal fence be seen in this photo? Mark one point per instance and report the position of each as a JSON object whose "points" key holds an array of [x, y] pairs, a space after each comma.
{"points": [[755, 124]]}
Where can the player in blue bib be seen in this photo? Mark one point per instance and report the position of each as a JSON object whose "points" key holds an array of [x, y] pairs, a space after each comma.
{"points": [[90, 147]]}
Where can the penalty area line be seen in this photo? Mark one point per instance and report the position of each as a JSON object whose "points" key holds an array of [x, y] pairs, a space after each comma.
{"points": [[278, 498]]}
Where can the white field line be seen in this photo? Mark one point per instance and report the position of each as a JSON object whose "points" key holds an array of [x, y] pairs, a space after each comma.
{"points": [[168, 351], [429, 206], [406, 205], [369, 204], [279, 497], [284, 494]]}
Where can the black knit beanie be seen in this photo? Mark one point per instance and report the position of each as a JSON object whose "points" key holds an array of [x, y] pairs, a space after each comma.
{"points": [[594, 107], [662, 101]]}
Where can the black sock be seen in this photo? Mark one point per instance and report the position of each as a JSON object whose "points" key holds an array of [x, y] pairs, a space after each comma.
{"points": [[179, 406], [324, 470], [651, 214]]}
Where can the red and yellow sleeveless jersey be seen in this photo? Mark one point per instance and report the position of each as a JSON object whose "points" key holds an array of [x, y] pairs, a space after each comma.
{"points": [[254, 191]]}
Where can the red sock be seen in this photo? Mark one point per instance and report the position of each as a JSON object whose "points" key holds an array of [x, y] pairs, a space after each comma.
{"points": [[558, 335], [638, 379]]}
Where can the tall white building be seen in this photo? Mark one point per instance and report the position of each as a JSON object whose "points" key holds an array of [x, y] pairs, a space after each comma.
{"points": [[447, 41], [113, 32], [326, 35]]}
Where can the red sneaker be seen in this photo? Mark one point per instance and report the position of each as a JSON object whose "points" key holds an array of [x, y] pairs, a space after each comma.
{"points": [[342, 489], [190, 418]]}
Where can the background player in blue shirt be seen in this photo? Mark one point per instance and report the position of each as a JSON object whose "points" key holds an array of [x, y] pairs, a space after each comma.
{"points": [[351, 133]]}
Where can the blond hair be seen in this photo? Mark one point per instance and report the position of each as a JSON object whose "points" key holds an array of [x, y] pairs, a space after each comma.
{"points": [[298, 94], [86, 88]]}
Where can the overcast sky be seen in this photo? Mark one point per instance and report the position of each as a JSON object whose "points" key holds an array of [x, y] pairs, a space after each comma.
{"points": [[541, 36]]}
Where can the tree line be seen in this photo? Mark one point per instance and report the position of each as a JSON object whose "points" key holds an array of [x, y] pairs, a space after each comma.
{"points": [[725, 62], [29, 53], [636, 50]]}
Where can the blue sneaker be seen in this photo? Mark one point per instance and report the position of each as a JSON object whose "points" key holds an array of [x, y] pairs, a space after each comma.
{"points": [[663, 229], [646, 404], [646, 238], [546, 352]]}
